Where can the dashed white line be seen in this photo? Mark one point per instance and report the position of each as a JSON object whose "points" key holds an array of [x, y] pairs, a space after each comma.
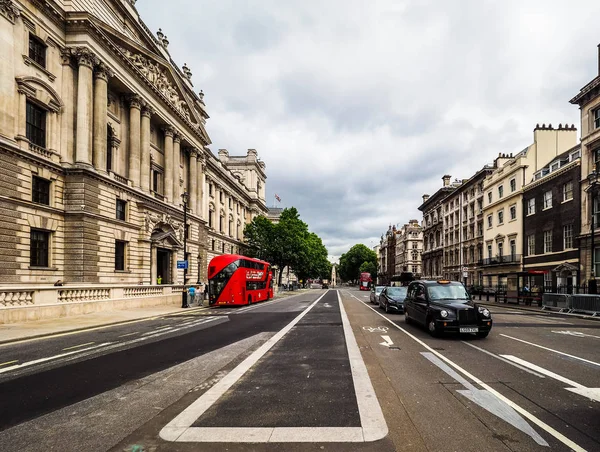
{"points": [[551, 350]]}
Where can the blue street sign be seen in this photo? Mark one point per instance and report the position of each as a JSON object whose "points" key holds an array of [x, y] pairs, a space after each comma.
{"points": [[182, 264]]}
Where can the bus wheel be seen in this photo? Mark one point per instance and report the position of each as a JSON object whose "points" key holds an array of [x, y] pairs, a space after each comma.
{"points": [[249, 299]]}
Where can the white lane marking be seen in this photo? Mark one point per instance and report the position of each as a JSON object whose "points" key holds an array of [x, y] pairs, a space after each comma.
{"points": [[129, 334], [373, 329], [544, 319], [79, 346], [488, 401], [387, 341], [504, 359], [559, 436], [551, 350], [592, 393], [160, 330], [372, 421], [576, 334], [50, 358]]}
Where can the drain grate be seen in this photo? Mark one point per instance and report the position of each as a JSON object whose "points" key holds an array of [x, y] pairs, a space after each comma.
{"points": [[395, 348]]}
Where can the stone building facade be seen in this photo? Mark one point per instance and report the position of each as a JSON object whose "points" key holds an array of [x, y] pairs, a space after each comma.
{"points": [[588, 100], [550, 248], [503, 194], [409, 247], [463, 229], [433, 230], [101, 134]]}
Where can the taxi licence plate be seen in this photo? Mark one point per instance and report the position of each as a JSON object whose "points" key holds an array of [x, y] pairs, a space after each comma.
{"points": [[469, 329]]}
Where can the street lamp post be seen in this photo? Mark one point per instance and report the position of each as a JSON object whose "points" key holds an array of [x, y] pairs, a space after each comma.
{"points": [[593, 182], [184, 197]]}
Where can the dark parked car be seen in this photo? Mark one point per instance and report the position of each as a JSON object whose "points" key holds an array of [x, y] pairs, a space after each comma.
{"points": [[445, 306], [375, 292], [392, 299]]}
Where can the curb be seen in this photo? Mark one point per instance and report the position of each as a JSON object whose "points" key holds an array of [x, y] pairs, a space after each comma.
{"points": [[100, 325], [539, 311]]}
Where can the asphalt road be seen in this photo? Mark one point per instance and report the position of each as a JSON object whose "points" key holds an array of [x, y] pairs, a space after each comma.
{"points": [[321, 370]]}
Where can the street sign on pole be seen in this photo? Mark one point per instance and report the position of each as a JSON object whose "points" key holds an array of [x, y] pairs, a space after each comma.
{"points": [[182, 264], [465, 274], [465, 269]]}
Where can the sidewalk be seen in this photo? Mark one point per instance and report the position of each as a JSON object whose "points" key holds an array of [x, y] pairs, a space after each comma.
{"points": [[13, 332], [538, 309]]}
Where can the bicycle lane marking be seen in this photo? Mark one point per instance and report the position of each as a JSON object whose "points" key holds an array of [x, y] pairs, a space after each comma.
{"points": [[556, 434], [372, 427]]}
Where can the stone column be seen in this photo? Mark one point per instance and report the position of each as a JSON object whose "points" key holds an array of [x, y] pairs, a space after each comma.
{"points": [[168, 176], [152, 264], [83, 141], [101, 76], [203, 198], [193, 181], [66, 118], [176, 169], [22, 119], [174, 267], [147, 112], [135, 105]]}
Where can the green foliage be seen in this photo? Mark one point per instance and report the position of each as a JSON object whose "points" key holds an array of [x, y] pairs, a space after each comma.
{"points": [[357, 258], [288, 243]]}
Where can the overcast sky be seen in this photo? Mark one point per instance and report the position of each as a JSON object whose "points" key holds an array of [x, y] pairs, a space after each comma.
{"points": [[358, 108]]}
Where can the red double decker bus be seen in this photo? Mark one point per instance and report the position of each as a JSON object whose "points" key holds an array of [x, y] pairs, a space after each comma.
{"points": [[365, 281], [237, 280]]}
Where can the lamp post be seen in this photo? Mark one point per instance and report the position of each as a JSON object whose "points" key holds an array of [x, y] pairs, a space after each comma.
{"points": [[593, 182], [184, 198]]}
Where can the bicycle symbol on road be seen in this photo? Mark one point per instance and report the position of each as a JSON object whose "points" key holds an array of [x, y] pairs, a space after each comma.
{"points": [[376, 329]]}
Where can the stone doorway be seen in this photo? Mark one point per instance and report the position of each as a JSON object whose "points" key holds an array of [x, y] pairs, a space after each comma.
{"points": [[163, 265]]}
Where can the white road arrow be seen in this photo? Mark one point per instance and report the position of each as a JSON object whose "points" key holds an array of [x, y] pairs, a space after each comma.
{"points": [[591, 393], [576, 334], [488, 401], [387, 342]]}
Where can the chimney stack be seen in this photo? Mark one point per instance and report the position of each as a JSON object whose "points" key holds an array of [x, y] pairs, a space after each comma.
{"points": [[446, 179]]}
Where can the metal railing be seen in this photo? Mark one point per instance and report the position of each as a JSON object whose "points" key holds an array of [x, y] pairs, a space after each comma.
{"points": [[575, 303]]}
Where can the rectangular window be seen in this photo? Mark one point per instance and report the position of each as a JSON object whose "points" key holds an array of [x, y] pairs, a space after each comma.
{"points": [[210, 189], [567, 236], [489, 221], [223, 247], [37, 50], [221, 224], [221, 197], [513, 248], [501, 217], [120, 254], [567, 191], [489, 250], [157, 182], [39, 244], [489, 197], [211, 220], [531, 206], [500, 249], [35, 125], [547, 241], [597, 119], [213, 245], [40, 190], [531, 244], [513, 185], [513, 212], [121, 206], [548, 199], [500, 191]]}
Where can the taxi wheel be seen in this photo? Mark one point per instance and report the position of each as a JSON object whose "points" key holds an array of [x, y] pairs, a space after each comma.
{"points": [[431, 327], [483, 335], [386, 309]]}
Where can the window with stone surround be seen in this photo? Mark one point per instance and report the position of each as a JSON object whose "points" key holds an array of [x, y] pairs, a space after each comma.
{"points": [[596, 116], [530, 206], [157, 181], [39, 246], [120, 248], [500, 191], [40, 190], [37, 50], [35, 124], [501, 216], [489, 197], [513, 212], [548, 199], [513, 185], [121, 209]]}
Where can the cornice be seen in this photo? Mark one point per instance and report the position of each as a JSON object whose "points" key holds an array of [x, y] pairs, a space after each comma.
{"points": [[588, 92], [552, 175]]}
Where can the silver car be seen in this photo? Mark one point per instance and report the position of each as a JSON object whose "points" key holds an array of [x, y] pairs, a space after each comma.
{"points": [[375, 292]]}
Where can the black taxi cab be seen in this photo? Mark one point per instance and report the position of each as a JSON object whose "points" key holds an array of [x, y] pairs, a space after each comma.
{"points": [[445, 306]]}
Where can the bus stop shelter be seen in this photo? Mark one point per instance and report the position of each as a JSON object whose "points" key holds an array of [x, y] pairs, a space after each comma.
{"points": [[524, 286]]}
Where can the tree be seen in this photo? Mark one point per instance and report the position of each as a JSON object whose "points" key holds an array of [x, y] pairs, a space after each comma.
{"points": [[287, 243], [352, 261]]}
